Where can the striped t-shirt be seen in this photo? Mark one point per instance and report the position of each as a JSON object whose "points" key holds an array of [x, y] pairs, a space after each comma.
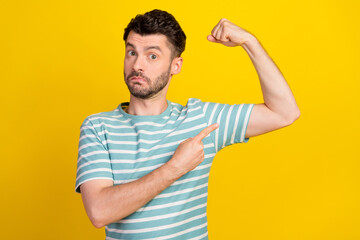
{"points": [[122, 147]]}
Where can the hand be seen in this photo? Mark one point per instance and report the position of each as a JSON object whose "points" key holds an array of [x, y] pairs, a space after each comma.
{"points": [[228, 34], [190, 152]]}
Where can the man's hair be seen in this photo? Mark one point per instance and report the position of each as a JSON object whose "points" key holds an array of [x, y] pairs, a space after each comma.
{"points": [[158, 21]]}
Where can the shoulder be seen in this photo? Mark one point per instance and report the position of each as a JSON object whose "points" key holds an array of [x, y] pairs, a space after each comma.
{"points": [[103, 117], [194, 102]]}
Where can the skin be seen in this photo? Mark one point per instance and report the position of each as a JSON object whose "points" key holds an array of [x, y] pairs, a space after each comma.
{"points": [[142, 55], [105, 203], [139, 54], [279, 108]]}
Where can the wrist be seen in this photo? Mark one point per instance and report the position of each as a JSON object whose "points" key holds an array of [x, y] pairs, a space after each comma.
{"points": [[170, 172], [253, 47], [249, 40]]}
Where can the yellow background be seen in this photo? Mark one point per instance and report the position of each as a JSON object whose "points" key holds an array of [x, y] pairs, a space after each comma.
{"points": [[63, 60]]}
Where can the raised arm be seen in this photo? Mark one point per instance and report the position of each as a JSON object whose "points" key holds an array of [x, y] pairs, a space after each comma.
{"points": [[105, 203], [279, 108]]}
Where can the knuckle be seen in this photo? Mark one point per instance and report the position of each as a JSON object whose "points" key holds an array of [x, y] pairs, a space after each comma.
{"points": [[224, 21], [226, 25]]}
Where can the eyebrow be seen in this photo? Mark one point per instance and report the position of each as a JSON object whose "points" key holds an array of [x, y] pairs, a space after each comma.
{"points": [[148, 48]]}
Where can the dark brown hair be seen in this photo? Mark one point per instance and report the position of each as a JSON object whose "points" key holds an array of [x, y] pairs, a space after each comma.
{"points": [[158, 21]]}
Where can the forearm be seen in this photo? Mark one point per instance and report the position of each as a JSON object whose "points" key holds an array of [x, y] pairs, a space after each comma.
{"points": [[116, 202], [276, 92]]}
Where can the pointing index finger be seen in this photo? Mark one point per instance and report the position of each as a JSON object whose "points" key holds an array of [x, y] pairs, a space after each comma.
{"points": [[206, 131]]}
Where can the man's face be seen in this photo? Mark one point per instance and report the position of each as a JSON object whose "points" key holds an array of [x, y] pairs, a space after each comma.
{"points": [[147, 64]]}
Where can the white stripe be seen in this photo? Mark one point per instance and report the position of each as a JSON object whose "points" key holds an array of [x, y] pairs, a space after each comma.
{"points": [[140, 131], [181, 191], [245, 122], [194, 109], [174, 108], [86, 127], [227, 125], [101, 117], [193, 103], [131, 142], [120, 115], [93, 170], [205, 107], [93, 178], [93, 162], [190, 179], [212, 113], [187, 130], [199, 237], [137, 169], [138, 124], [172, 203], [144, 150], [92, 153], [175, 183], [123, 171], [175, 214], [142, 159], [179, 233], [171, 131], [236, 123], [143, 230], [202, 166], [86, 136], [128, 142], [110, 238], [193, 118], [217, 130], [89, 145], [111, 119]]}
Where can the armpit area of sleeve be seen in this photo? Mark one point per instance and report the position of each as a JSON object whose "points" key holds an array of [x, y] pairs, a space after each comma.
{"points": [[103, 173], [246, 122]]}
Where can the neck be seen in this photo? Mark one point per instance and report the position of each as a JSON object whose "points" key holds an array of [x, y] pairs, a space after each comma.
{"points": [[144, 107]]}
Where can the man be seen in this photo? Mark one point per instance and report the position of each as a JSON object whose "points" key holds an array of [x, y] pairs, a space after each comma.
{"points": [[143, 168]]}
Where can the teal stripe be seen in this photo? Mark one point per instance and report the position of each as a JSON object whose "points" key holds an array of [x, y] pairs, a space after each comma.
{"points": [[161, 233]]}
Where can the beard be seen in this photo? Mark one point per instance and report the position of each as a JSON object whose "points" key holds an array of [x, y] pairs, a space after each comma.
{"points": [[154, 87]]}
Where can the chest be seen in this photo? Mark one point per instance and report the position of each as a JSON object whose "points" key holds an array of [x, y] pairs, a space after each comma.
{"points": [[138, 149]]}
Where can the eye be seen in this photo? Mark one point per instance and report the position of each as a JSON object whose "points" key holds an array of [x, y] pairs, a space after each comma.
{"points": [[131, 53], [153, 56]]}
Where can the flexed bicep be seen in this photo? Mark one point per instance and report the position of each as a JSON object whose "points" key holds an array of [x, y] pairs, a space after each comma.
{"points": [[263, 120]]}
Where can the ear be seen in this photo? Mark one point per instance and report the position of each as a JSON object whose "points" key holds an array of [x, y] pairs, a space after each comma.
{"points": [[176, 65]]}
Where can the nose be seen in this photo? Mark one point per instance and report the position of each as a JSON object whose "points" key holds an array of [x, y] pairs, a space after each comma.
{"points": [[138, 64]]}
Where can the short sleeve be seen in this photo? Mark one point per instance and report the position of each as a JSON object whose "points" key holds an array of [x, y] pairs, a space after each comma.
{"points": [[232, 120], [93, 158]]}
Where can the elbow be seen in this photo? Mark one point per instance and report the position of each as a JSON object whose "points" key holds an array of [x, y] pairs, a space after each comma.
{"points": [[290, 118], [293, 117], [100, 219], [97, 224], [97, 218], [296, 114]]}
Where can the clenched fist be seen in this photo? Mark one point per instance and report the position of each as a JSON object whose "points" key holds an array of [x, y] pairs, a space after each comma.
{"points": [[229, 34]]}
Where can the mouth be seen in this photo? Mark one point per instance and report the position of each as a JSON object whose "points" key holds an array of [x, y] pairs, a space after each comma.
{"points": [[139, 79]]}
